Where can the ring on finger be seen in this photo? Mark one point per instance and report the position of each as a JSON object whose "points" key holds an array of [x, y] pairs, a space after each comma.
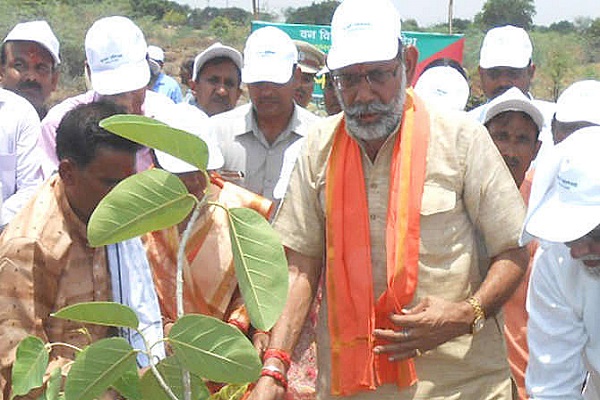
{"points": [[405, 333], [418, 353]]}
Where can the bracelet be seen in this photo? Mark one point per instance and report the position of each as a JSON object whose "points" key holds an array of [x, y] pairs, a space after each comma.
{"points": [[279, 354], [275, 373], [239, 324]]}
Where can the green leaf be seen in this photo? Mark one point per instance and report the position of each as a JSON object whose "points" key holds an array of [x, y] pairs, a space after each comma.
{"points": [[230, 392], [100, 313], [260, 266], [128, 384], [217, 351], [160, 136], [172, 373], [29, 366], [98, 367], [144, 202], [54, 384]]}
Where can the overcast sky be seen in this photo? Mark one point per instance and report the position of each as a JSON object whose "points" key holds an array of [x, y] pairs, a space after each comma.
{"points": [[428, 12]]}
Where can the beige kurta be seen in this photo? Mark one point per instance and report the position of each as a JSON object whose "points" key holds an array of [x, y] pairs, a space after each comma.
{"points": [[467, 189]]}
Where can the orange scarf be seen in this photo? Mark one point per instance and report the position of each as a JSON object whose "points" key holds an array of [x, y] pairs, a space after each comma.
{"points": [[352, 312]]}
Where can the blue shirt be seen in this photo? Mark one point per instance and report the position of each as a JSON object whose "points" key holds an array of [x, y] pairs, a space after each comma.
{"points": [[168, 86]]}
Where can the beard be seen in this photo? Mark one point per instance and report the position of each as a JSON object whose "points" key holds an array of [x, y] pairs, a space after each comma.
{"points": [[390, 115]]}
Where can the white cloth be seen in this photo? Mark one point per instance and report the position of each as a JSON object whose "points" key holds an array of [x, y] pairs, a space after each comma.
{"points": [[132, 285], [20, 171], [564, 325]]}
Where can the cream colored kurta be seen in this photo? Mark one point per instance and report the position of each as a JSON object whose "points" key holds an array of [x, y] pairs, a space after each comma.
{"points": [[468, 189]]}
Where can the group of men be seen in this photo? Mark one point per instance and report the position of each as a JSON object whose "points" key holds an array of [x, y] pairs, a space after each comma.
{"points": [[414, 221]]}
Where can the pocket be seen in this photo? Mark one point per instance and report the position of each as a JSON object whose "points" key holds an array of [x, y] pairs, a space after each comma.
{"points": [[437, 200]]}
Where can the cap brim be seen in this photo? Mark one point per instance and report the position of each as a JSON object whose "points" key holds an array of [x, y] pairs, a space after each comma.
{"points": [[519, 106], [125, 78], [267, 71], [555, 221]]}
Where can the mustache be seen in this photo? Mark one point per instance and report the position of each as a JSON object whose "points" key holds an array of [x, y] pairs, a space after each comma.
{"points": [[500, 90], [26, 85], [512, 161], [376, 107]]}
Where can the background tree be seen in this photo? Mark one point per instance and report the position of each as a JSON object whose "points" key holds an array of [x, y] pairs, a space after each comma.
{"points": [[316, 13], [504, 12]]}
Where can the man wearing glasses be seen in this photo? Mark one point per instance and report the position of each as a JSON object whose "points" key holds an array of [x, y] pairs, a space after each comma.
{"points": [[216, 79], [387, 200]]}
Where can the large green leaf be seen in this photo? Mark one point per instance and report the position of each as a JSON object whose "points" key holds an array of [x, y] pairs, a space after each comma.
{"points": [[100, 313], [160, 136], [98, 367], [217, 351], [54, 384], [128, 384], [29, 366], [144, 202], [172, 373], [260, 266]]}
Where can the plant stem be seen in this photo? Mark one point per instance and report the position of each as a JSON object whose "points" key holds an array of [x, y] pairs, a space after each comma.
{"points": [[187, 387], [155, 371]]}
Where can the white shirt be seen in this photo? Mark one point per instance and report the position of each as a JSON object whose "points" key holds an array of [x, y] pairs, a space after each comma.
{"points": [[20, 171], [564, 325]]}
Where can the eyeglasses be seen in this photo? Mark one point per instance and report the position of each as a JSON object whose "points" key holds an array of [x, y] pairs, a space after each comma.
{"points": [[376, 78]]}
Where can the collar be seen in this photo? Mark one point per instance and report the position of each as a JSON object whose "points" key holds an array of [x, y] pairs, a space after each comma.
{"points": [[297, 124]]}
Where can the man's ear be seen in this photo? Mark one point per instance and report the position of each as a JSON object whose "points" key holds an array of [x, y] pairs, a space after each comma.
{"points": [[411, 56], [67, 170], [297, 77], [531, 71]]}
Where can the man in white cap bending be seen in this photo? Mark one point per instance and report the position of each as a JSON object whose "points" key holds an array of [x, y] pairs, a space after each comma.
{"points": [[260, 140], [564, 292], [29, 61], [387, 201], [116, 62]]}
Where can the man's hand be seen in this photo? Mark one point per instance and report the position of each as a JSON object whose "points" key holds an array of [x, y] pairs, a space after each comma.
{"points": [[430, 323], [267, 389]]}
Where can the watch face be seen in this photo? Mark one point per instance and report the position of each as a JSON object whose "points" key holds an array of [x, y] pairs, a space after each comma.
{"points": [[478, 324]]}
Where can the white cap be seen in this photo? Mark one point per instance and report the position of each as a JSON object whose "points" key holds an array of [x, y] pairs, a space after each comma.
{"points": [[444, 87], [506, 46], [156, 53], [269, 56], [188, 118], [571, 206], [514, 100], [579, 102], [363, 31], [116, 54], [213, 51], [39, 32]]}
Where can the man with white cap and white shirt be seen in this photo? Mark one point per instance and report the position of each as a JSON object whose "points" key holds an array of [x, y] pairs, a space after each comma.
{"points": [[505, 61], [406, 312], [29, 61], [261, 140], [564, 292], [118, 69], [216, 79]]}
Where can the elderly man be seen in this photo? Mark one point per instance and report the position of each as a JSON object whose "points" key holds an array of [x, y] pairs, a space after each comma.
{"points": [[46, 262], [115, 51], [392, 195], [505, 61], [564, 292], [20, 170], [216, 79], [260, 140], [514, 123], [29, 60]]}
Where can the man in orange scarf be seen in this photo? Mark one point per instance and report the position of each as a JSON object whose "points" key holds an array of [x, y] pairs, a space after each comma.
{"points": [[387, 201]]}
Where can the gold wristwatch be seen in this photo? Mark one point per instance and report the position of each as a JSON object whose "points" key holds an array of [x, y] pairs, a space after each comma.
{"points": [[479, 321]]}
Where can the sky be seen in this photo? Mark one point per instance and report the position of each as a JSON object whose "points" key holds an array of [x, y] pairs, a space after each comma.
{"points": [[429, 12]]}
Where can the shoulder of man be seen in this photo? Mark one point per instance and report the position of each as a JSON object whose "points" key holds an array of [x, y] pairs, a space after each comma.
{"points": [[56, 113]]}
